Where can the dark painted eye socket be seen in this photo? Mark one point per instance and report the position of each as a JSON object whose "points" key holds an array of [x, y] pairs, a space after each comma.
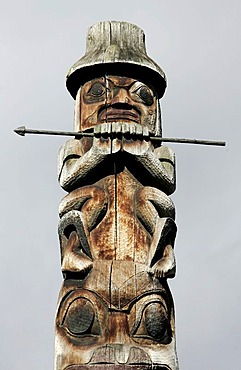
{"points": [[80, 318], [153, 324], [145, 94], [97, 89], [156, 321]]}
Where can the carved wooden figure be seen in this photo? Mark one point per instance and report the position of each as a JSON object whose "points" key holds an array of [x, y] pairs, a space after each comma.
{"points": [[117, 222]]}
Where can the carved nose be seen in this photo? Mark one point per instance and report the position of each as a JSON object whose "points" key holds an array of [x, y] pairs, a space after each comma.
{"points": [[118, 328], [121, 97]]}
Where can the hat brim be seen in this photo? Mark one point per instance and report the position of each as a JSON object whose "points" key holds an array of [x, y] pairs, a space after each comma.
{"points": [[150, 77]]}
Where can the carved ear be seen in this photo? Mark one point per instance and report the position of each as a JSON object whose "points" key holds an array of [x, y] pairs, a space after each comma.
{"points": [[165, 234], [77, 111], [158, 128]]}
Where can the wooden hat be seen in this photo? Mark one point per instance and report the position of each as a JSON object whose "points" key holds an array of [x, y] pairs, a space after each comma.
{"points": [[118, 49]]}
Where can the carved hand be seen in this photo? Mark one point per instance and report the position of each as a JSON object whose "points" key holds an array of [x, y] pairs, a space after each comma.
{"points": [[112, 137], [135, 139], [103, 142]]}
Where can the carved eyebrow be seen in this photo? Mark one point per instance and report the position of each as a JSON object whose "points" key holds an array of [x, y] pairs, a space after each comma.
{"points": [[133, 83], [128, 86], [139, 83]]}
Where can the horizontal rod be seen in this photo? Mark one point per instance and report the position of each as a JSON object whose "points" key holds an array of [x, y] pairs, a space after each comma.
{"points": [[188, 141], [22, 130]]}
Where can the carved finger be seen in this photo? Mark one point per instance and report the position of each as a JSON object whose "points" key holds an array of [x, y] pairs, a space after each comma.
{"points": [[139, 131], [105, 129], [145, 132], [125, 128], [117, 129], [132, 131], [97, 130]]}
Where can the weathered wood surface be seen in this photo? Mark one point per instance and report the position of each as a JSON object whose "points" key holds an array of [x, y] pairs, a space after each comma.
{"points": [[121, 47], [116, 229]]}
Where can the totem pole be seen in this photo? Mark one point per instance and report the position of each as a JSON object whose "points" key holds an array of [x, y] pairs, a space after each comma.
{"points": [[117, 222]]}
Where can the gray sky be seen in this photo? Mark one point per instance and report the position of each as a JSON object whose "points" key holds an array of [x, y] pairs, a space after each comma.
{"points": [[198, 45]]}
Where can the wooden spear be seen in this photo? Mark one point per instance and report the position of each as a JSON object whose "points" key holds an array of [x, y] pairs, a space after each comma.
{"points": [[22, 131]]}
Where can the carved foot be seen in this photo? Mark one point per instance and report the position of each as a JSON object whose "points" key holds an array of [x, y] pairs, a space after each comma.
{"points": [[166, 266]]}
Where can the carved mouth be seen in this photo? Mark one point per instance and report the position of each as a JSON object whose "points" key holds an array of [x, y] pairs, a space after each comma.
{"points": [[107, 357], [117, 367], [113, 114]]}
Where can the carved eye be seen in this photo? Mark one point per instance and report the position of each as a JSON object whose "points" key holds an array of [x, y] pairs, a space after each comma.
{"points": [[156, 321], [145, 94], [154, 324], [80, 318], [97, 89]]}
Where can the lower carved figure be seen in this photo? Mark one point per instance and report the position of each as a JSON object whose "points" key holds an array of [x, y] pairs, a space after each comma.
{"points": [[129, 323]]}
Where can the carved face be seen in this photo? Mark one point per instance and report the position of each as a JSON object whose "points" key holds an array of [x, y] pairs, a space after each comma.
{"points": [[93, 336], [113, 98], [127, 323]]}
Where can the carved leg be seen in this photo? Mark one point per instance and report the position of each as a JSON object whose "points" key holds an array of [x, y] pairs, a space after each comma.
{"points": [[80, 212], [90, 200], [74, 245], [161, 257], [156, 212], [152, 204]]}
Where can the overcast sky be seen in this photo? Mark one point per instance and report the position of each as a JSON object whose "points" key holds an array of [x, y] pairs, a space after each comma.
{"points": [[197, 43]]}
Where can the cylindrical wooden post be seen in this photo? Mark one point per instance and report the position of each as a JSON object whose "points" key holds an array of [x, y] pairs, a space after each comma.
{"points": [[117, 222]]}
